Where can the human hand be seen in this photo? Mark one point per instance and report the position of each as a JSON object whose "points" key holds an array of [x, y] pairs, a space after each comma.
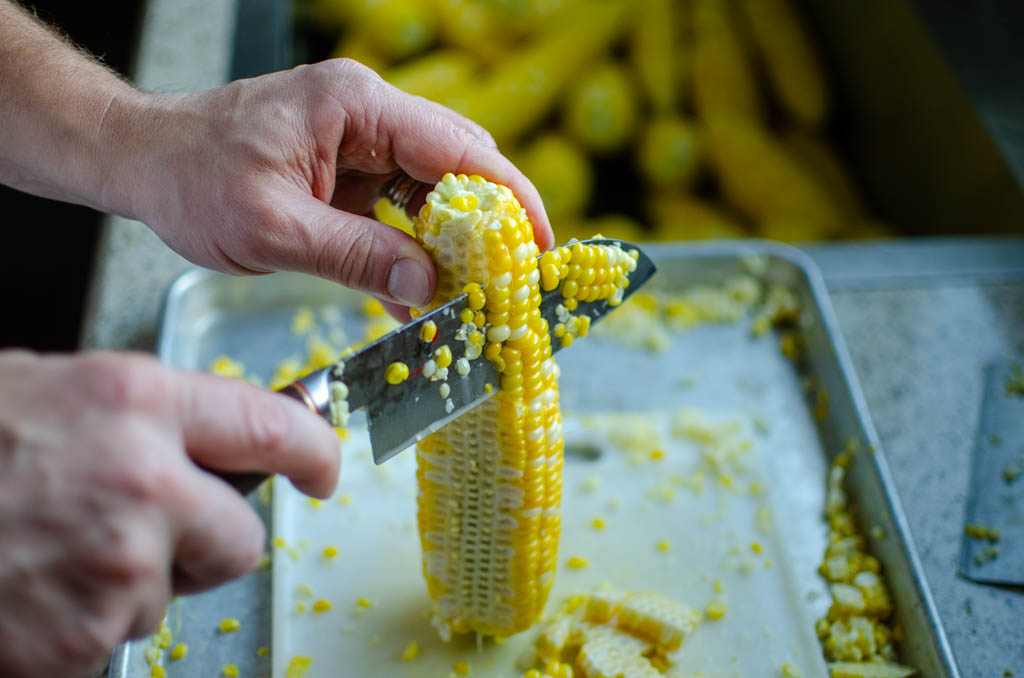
{"points": [[279, 173], [104, 509]]}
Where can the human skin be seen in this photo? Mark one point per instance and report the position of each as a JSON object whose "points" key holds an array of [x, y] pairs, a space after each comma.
{"points": [[106, 505]]}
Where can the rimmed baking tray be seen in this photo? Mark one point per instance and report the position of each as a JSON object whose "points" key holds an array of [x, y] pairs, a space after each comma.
{"points": [[206, 315]]}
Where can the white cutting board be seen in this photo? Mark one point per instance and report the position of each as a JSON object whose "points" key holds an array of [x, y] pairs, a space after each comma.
{"points": [[771, 609]]}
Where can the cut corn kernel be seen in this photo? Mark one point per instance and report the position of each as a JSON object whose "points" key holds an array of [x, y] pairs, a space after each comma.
{"points": [[263, 651], [229, 624], [791, 670], [364, 603], [179, 651], [322, 605], [461, 668], [577, 562], [330, 551], [428, 331], [396, 373], [157, 671], [716, 609], [664, 545], [598, 523], [411, 651], [230, 670], [443, 356], [298, 666]]}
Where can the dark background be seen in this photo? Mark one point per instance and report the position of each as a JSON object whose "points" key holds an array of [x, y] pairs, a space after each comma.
{"points": [[47, 248]]}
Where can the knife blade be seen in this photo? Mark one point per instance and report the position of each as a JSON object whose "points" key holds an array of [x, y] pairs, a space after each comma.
{"points": [[399, 415]]}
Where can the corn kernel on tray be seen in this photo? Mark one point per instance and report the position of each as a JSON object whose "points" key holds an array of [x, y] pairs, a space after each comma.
{"points": [[697, 450]]}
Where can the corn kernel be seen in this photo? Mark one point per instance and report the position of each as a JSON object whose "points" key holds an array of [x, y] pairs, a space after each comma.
{"points": [[364, 603], [330, 551], [396, 373], [229, 624], [263, 651], [179, 651], [230, 670], [756, 547], [597, 523], [791, 670], [577, 562], [716, 609], [664, 545], [466, 315], [465, 203], [443, 356], [411, 651], [428, 331], [298, 666], [461, 668], [157, 671]]}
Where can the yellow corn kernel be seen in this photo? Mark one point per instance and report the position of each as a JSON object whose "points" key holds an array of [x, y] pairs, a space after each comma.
{"points": [[411, 651], [179, 651], [157, 671], [428, 331], [263, 651], [330, 551], [322, 605], [466, 203], [791, 670], [533, 673], [396, 373], [229, 624], [443, 356], [577, 562], [716, 609], [466, 315], [300, 606], [230, 670], [756, 547], [598, 523], [298, 666], [566, 340], [556, 669], [664, 545], [461, 668], [364, 603]]}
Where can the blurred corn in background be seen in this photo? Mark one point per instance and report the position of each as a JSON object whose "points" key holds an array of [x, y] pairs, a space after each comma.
{"points": [[646, 119]]}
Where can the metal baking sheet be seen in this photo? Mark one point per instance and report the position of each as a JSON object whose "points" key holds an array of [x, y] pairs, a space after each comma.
{"points": [[206, 315]]}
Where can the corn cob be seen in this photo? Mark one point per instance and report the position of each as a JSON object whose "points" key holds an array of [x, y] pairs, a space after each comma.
{"points": [[653, 53], [721, 69], [761, 178], [789, 59], [601, 108], [523, 88], [490, 482], [435, 75]]}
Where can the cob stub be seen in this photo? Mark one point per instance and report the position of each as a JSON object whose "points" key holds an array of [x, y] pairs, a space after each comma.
{"points": [[490, 482]]}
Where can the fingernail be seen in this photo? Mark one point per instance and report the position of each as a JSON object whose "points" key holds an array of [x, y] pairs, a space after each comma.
{"points": [[408, 283]]}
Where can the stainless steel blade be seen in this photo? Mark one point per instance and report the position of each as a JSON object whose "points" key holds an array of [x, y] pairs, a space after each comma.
{"points": [[401, 414]]}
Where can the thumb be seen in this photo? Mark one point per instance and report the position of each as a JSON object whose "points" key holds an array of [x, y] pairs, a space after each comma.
{"points": [[360, 253]]}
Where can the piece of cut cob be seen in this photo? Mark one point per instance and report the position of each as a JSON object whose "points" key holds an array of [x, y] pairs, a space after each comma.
{"points": [[490, 482]]}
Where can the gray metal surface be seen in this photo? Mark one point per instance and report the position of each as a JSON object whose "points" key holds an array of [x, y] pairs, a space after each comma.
{"points": [[208, 314], [996, 497]]}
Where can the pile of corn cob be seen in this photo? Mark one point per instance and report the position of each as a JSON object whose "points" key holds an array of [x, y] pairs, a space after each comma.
{"points": [[642, 119]]}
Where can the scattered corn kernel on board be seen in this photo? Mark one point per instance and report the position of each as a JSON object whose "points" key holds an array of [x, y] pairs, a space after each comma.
{"points": [[697, 456]]}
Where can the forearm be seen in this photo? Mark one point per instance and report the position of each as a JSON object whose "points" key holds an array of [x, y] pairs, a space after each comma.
{"points": [[64, 117]]}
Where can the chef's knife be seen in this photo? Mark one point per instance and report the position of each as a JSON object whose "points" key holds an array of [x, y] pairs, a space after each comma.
{"points": [[398, 415]]}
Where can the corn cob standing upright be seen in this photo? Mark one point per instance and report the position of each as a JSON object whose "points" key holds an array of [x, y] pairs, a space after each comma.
{"points": [[490, 482]]}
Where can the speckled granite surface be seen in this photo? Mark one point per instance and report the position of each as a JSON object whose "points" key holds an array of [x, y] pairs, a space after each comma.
{"points": [[918, 342]]}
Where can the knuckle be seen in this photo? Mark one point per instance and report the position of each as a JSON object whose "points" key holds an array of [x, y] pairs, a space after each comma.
{"points": [[120, 381], [126, 561], [349, 258], [267, 423]]}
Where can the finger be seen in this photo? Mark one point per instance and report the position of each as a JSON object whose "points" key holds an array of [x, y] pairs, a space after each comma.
{"points": [[220, 537], [231, 426], [360, 253], [428, 140]]}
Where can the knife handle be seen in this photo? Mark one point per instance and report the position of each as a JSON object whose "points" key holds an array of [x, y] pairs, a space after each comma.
{"points": [[247, 482]]}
